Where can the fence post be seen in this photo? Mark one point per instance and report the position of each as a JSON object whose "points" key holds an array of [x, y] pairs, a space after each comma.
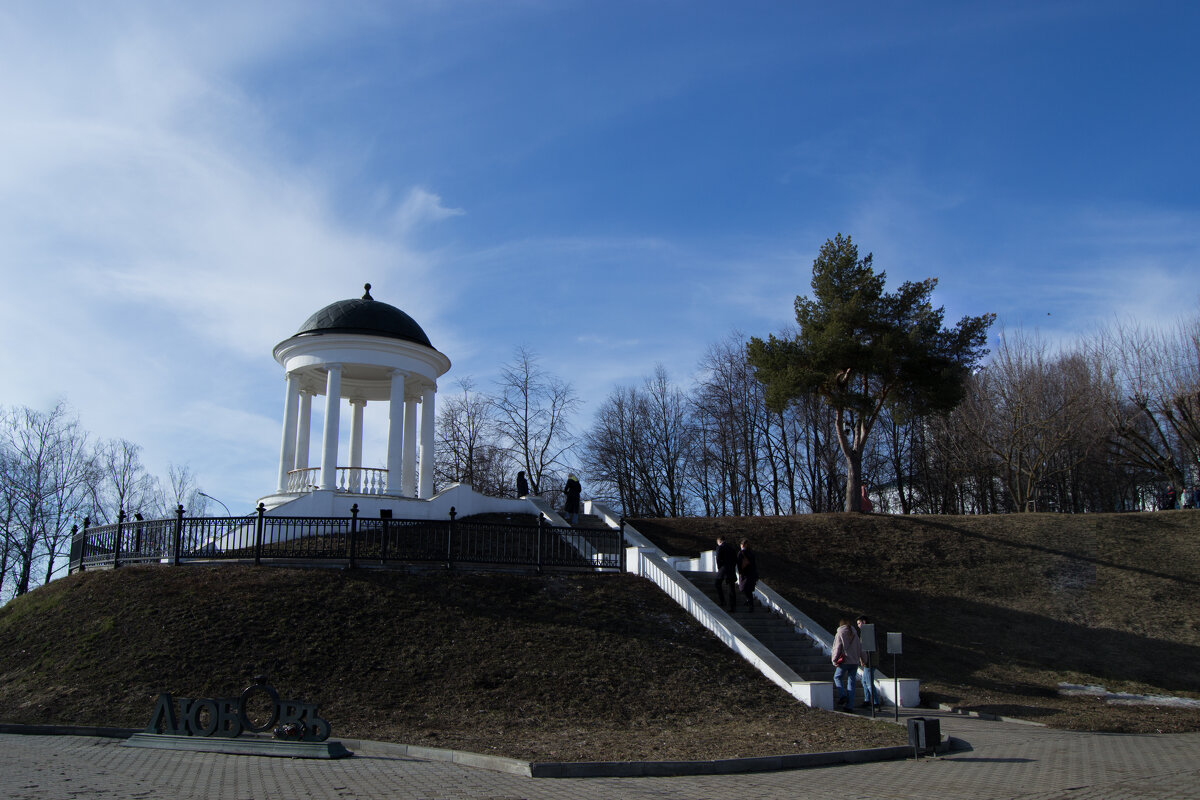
{"points": [[541, 518], [137, 534], [621, 544], [178, 537], [117, 539], [87, 521], [450, 537], [73, 563], [353, 533], [258, 534], [385, 520]]}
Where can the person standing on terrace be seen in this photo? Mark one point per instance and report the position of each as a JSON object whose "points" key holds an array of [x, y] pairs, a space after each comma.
{"points": [[572, 490]]}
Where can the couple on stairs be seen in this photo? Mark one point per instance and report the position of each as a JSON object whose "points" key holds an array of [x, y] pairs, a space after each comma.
{"points": [[736, 565]]}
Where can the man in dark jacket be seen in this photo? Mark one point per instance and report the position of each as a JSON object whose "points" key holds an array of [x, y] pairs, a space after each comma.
{"points": [[726, 557], [572, 491], [747, 566]]}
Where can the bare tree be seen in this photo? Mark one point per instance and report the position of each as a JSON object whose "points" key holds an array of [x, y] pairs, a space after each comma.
{"points": [[641, 447], [1029, 413], [954, 472], [727, 403], [45, 477], [1151, 397], [821, 480], [184, 491], [670, 439], [123, 483], [73, 470], [467, 445], [10, 503], [612, 452], [533, 417]]}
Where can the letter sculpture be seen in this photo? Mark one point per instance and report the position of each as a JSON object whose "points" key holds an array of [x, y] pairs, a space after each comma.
{"points": [[228, 717]]}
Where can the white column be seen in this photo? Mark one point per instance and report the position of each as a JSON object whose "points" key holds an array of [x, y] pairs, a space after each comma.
{"points": [[395, 445], [287, 447], [427, 444], [329, 443], [356, 432], [303, 429], [408, 475]]}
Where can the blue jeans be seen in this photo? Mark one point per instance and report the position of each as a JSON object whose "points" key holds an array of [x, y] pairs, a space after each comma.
{"points": [[844, 678], [870, 695]]}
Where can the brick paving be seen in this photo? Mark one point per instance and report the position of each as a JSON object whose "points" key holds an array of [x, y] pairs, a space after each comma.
{"points": [[1005, 760]]}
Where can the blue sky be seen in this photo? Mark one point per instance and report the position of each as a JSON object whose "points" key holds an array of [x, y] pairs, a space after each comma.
{"points": [[611, 184]]}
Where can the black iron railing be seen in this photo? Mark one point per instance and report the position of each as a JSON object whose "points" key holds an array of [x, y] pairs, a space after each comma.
{"points": [[353, 540]]}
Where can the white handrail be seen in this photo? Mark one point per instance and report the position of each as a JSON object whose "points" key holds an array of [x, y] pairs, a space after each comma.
{"points": [[646, 560]]}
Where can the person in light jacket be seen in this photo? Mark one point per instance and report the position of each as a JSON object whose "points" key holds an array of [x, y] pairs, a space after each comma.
{"points": [[847, 658]]}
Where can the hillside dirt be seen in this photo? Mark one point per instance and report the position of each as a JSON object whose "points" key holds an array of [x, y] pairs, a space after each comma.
{"points": [[552, 668]]}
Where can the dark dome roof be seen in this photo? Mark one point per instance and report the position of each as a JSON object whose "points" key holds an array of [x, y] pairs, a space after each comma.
{"points": [[365, 316]]}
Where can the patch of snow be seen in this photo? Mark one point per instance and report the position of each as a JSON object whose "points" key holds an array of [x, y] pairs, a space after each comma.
{"points": [[1072, 575], [1124, 699]]}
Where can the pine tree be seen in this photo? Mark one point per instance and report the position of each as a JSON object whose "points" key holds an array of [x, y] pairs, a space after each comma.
{"points": [[860, 348]]}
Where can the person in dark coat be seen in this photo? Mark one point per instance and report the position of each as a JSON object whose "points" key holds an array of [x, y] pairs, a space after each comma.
{"points": [[572, 490], [522, 484], [747, 566], [726, 558]]}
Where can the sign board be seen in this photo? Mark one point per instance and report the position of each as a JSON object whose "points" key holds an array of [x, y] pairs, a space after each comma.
{"points": [[866, 634], [894, 644]]}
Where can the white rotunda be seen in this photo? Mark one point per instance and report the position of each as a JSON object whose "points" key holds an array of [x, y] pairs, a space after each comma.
{"points": [[360, 351]]}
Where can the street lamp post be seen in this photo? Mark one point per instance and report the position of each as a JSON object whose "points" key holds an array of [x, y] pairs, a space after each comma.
{"points": [[228, 513]]}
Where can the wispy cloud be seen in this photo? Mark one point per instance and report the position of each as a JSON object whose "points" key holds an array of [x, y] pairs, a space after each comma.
{"points": [[421, 208], [154, 244]]}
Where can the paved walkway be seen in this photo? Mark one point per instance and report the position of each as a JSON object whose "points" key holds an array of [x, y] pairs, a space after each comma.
{"points": [[1007, 760]]}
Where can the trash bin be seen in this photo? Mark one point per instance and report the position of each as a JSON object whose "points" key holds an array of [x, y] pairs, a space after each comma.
{"points": [[924, 734]]}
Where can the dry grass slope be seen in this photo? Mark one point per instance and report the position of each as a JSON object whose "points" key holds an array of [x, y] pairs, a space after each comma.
{"points": [[565, 668]]}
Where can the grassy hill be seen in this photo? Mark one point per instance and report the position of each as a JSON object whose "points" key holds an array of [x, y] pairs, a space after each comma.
{"points": [[995, 611], [577, 667]]}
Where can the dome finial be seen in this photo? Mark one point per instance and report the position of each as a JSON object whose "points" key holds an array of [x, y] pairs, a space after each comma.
{"points": [[367, 293]]}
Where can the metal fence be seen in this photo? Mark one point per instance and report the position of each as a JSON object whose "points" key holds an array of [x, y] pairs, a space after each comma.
{"points": [[352, 540]]}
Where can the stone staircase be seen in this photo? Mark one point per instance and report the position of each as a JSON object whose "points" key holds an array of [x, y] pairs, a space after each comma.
{"points": [[778, 639], [776, 633], [591, 522]]}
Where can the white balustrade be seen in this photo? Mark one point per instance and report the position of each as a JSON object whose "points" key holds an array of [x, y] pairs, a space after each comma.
{"points": [[303, 480], [362, 480], [350, 480]]}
